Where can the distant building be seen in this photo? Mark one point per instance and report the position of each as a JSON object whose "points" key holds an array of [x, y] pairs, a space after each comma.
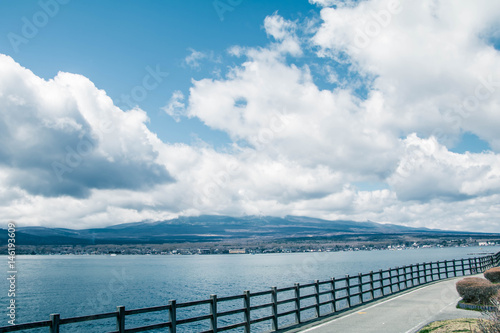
{"points": [[237, 251]]}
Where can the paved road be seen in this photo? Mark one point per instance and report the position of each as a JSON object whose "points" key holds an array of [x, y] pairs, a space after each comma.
{"points": [[405, 313]]}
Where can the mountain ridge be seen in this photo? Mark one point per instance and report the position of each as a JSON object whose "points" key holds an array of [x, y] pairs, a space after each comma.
{"points": [[209, 228]]}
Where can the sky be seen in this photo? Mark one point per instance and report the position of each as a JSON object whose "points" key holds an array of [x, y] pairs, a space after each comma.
{"points": [[124, 111]]}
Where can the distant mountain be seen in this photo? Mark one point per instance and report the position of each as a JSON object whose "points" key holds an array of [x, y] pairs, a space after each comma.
{"points": [[208, 228]]}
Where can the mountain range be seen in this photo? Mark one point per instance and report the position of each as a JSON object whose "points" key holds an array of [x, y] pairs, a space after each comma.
{"points": [[209, 228]]}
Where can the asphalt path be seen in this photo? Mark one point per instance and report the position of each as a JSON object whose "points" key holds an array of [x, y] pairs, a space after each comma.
{"points": [[404, 313]]}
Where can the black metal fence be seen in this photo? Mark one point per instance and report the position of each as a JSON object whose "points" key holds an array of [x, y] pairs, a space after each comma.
{"points": [[283, 307]]}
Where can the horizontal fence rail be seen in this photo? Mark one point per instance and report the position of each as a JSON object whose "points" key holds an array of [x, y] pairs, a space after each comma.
{"points": [[303, 302]]}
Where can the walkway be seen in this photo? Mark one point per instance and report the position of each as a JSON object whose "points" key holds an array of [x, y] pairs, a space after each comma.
{"points": [[404, 313]]}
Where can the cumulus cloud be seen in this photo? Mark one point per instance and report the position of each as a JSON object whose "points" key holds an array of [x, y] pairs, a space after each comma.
{"points": [[437, 73], [286, 115], [427, 170], [65, 137]]}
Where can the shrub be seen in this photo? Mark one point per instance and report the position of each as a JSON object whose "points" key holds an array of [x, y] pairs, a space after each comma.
{"points": [[493, 274], [476, 290]]}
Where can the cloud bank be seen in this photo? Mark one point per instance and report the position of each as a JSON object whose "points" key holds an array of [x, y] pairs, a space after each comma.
{"points": [[426, 73]]}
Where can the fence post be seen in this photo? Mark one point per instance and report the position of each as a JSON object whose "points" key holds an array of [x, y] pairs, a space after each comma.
{"points": [[334, 296], [454, 268], [274, 296], [413, 278], [316, 290], [425, 272], [372, 294], [172, 311], [213, 313], [247, 318], [400, 281], [360, 283], [120, 319], [348, 290], [297, 302], [406, 276], [382, 281], [54, 322]]}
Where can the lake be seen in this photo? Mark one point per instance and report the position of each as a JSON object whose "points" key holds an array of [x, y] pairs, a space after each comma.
{"points": [[79, 285]]}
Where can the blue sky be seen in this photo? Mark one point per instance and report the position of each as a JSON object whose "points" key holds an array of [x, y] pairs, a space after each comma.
{"points": [[112, 43], [124, 111]]}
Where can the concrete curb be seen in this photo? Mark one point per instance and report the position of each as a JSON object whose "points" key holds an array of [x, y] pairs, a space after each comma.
{"points": [[467, 306]]}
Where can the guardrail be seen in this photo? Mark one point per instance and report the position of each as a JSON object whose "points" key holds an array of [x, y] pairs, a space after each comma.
{"points": [[307, 302]]}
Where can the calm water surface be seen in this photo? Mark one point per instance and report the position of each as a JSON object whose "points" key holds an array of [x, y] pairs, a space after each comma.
{"points": [[78, 285]]}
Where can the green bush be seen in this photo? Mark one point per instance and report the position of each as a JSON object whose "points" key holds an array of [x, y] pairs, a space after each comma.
{"points": [[476, 290], [493, 274]]}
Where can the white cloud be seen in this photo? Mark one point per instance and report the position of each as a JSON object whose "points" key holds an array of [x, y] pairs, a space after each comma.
{"points": [[278, 27], [287, 115], [427, 75], [283, 31], [176, 107], [428, 58], [427, 170], [330, 3], [193, 59], [67, 137]]}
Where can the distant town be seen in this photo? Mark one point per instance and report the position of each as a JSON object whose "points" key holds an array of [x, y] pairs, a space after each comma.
{"points": [[249, 247]]}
